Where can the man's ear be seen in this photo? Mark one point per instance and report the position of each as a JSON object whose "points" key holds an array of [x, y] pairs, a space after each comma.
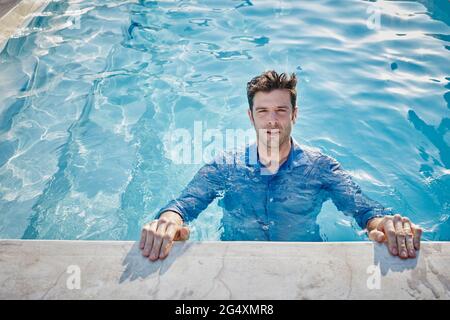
{"points": [[294, 114], [250, 115]]}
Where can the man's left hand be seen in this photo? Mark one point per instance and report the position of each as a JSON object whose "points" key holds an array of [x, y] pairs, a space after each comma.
{"points": [[400, 234]]}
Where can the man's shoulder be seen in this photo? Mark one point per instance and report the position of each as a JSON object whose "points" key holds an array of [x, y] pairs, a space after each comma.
{"points": [[313, 156]]}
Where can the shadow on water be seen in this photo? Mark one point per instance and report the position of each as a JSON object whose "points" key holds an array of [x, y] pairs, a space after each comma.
{"points": [[139, 267], [440, 183], [387, 262]]}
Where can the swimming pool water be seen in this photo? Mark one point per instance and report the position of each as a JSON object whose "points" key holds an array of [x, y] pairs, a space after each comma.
{"points": [[89, 90]]}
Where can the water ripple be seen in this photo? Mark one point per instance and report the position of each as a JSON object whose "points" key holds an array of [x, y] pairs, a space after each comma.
{"points": [[88, 91]]}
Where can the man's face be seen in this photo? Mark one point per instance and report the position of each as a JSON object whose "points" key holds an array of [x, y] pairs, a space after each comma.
{"points": [[273, 116]]}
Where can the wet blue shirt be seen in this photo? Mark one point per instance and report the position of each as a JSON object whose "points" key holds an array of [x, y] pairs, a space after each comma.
{"points": [[274, 207]]}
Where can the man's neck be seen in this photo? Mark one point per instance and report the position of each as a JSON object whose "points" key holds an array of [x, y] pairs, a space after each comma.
{"points": [[275, 159]]}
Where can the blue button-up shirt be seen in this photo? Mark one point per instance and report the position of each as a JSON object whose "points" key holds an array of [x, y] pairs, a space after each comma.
{"points": [[282, 206]]}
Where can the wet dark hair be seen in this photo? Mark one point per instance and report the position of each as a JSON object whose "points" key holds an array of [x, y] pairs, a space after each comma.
{"points": [[271, 80]]}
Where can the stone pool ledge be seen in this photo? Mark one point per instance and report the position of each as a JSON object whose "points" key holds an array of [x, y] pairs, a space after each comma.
{"points": [[17, 13], [31, 269]]}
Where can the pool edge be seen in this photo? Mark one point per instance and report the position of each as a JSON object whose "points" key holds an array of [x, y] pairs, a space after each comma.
{"points": [[35, 269], [19, 15]]}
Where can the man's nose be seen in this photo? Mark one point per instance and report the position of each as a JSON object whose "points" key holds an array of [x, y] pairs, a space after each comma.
{"points": [[272, 119]]}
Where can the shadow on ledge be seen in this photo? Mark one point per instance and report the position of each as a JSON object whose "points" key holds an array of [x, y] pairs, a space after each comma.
{"points": [[138, 266], [392, 263]]}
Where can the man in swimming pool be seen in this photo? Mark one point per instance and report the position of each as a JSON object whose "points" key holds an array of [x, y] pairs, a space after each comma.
{"points": [[275, 188]]}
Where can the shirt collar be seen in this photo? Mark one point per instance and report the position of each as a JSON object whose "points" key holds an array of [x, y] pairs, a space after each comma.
{"points": [[294, 154]]}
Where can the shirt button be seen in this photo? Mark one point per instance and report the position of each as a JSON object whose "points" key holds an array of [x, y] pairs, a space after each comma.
{"points": [[271, 199]]}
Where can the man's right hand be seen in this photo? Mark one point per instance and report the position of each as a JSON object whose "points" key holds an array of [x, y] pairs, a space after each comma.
{"points": [[157, 236]]}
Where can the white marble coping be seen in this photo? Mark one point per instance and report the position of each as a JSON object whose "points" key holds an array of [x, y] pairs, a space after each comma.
{"points": [[36, 269]]}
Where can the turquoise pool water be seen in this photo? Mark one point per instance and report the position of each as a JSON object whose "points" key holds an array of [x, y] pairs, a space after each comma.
{"points": [[90, 89]]}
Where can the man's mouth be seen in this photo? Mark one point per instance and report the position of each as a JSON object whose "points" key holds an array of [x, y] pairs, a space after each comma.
{"points": [[271, 132]]}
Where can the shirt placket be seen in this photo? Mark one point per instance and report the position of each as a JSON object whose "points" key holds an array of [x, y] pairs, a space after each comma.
{"points": [[270, 181]]}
